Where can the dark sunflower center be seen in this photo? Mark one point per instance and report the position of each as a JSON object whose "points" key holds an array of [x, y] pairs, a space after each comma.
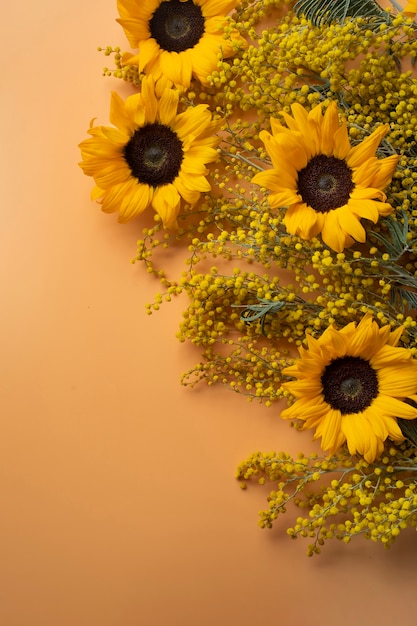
{"points": [[177, 26], [325, 183], [349, 384], [154, 155]]}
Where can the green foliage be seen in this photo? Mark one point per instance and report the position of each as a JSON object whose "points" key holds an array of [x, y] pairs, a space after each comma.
{"points": [[321, 12]]}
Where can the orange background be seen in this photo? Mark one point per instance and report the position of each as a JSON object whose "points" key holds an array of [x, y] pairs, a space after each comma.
{"points": [[118, 502]]}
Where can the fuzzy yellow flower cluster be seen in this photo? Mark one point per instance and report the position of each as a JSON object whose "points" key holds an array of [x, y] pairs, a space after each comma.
{"points": [[275, 143], [376, 501]]}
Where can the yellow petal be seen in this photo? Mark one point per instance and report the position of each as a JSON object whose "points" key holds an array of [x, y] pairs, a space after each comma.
{"points": [[177, 67], [135, 202], [367, 148], [149, 51], [332, 235], [302, 220], [166, 202], [350, 224], [394, 408], [329, 128], [329, 430], [168, 105]]}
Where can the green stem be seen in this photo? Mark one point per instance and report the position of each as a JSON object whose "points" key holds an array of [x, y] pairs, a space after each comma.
{"points": [[242, 158]]}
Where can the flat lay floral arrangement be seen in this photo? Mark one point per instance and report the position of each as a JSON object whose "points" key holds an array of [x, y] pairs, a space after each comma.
{"points": [[274, 143]]}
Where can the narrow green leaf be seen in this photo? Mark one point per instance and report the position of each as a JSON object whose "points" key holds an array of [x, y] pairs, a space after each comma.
{"points": [[254, 312], [321, 12], [409, 429]]}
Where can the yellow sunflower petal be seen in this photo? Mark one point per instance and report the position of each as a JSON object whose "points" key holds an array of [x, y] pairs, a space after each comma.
{"points": [[148, 101], [135, 30], [300, 219], [410, 8], [367, 148], [330, 431], [190, 196], [360, 437], [398, 381], [366, 193], [178, 67], [284, 152], [350, 224], [166, 202], [308, 126], [135, 202], [168, 105], [306, 410], [113, 174], [135, 111], [389, 355], [118, 115], [341, 142], [365, 340], [394, 407], [282, 198], [332, 235], [379, 423], [216, 7], [202, 153], [338, 341], [299, 388], [191, 122], [369, 209], [329, 129], [299, 119], [206, 61], [376, 173], [395, 336], [149, 50]]}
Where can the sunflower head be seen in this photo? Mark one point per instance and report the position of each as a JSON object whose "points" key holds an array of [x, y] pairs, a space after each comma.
{"points": [[154, 156], [351, 386], [177, 25], [179, 39], [325, 184]]}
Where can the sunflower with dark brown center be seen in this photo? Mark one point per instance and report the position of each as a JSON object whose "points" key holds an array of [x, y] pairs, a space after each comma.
{"points": [[179, 39], [326, 185], [153, 157], [351, 386]]}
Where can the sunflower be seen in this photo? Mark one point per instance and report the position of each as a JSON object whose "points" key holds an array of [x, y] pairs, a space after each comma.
{"points": [[326, 184], [179, 39], [351, 385], [154, 157]]}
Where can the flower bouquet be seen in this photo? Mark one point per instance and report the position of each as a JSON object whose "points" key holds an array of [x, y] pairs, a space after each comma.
{"points": [[274, 144]]}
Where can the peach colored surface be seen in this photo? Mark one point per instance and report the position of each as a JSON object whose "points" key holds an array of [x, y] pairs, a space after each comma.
{"points": [[118, 502]]}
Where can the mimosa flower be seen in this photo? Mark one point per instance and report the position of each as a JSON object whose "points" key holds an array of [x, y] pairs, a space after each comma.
{"points": [[327, 184], [154, 157], [351, 386], [179, 39]]}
